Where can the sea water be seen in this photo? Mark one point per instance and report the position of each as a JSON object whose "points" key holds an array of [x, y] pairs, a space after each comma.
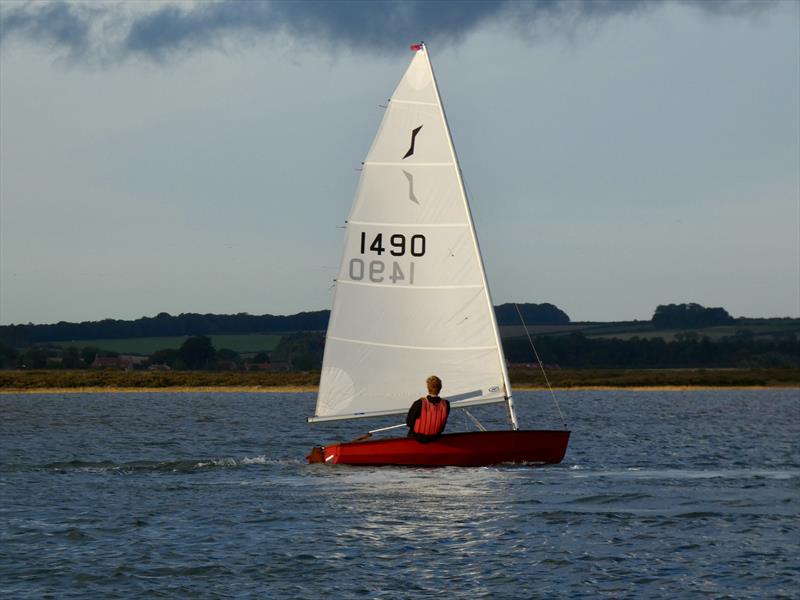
{"points": [[207, 495]]}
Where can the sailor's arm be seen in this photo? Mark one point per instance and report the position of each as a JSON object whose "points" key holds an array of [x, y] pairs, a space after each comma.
{"points": [[414, 413]]}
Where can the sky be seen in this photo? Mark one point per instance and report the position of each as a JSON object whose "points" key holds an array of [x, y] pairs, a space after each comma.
{"points": [[202, 157]]}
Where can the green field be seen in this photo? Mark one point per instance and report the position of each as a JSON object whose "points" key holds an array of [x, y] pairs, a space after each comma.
{"points": [[244, 344]]}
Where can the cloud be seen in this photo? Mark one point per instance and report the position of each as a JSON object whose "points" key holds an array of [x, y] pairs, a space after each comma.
{"points": [[352, 23], [159, 32], [56, 24]]}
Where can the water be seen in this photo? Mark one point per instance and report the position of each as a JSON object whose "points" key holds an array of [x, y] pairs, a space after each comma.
{"points": [[661, 495]]}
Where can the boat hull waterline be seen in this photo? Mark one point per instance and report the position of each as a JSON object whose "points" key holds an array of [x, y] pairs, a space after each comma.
{"points": [[474, 449]]}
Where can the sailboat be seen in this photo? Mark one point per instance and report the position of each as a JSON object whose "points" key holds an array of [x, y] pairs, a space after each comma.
{"points": [[412, 299]]}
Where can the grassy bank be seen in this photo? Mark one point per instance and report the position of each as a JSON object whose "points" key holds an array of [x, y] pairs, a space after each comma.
{"points": [[12, 381], [44, 380]]}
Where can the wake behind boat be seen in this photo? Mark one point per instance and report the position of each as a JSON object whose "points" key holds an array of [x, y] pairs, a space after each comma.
{"points": [[412, 298]]}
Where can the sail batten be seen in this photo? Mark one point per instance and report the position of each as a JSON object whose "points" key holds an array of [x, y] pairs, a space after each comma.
{"points": [[397, 101], [416, 287], [411, 298], [399, 163], [377, 224], [434, 348]]}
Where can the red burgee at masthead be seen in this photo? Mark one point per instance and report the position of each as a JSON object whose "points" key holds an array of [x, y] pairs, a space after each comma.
{"points": [[416, 47]]}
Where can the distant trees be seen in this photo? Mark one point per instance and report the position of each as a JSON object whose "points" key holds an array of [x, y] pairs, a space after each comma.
{"points": [[750, 343], [8, 356], [534, 314], [302, 350], [34, 357], [261, 357], [577, 351], [164, 325], [229, 355], [88, 354], [196, 353], [71, 358], [689, 316], [167, 356], [193, 324]]}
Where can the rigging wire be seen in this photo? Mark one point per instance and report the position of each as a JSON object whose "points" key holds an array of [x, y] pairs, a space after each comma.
{"points": [[474, 419], [541, 366]]}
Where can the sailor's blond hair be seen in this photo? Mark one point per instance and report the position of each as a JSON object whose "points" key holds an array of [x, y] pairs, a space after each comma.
{"points": [[434, 384]]}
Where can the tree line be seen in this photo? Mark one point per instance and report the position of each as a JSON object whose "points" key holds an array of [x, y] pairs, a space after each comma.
{"points": [[188, 324], [21, 345], [577, 351], [163, 325], [303, 351], [689, 316], [666, 316]]}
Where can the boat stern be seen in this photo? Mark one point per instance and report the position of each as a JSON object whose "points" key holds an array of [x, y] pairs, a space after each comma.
{"points": [[317, 455], [320, 454]]}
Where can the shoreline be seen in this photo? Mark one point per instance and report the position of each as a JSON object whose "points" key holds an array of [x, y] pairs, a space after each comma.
{"points": [[296, 389]]}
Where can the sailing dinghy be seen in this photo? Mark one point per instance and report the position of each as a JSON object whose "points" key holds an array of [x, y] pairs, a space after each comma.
{"points": [[412, 299]]}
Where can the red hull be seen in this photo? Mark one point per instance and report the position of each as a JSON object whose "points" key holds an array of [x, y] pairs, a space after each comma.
{"points": [[474, 449]]}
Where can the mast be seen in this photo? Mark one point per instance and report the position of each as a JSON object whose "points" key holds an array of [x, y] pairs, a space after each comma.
{"points": [[512, 415]]}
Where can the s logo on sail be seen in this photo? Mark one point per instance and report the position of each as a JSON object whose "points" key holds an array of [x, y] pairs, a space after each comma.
{"points": [[413, 138]]}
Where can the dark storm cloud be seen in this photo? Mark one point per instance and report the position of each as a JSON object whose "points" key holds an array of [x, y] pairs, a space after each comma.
{"points": [[376, 25], [56, 24]]}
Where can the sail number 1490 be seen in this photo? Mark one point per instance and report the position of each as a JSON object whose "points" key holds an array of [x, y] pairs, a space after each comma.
{"points": [[378, 271], [398, 245]]}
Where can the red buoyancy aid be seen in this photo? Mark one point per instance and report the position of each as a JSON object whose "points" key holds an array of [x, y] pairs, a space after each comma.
{"points": [[432, 419]]}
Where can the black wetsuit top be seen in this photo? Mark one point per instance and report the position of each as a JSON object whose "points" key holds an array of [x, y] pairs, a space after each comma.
{"points": [[414, 413]]}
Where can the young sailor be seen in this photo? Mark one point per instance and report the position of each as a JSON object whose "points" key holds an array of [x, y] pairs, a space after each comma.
{"points": [[427, 417]]}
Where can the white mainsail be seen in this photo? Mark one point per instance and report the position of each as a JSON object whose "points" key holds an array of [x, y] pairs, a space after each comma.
{"points": [[411, 297]]}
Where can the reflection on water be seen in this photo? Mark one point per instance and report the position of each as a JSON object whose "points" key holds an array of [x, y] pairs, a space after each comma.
{"points": [[207, 495]]}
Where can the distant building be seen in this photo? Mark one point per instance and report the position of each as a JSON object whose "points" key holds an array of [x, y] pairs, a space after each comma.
{"points": [[121, 363], [110, 362], [161, 367], [267, 366]]}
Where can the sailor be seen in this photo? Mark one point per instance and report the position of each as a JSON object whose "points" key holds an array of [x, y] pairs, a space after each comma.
{"points": [[427, 417]]}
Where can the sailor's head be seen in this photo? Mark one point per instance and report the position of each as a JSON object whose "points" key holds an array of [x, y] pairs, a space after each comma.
{"points": [[434, 385]]}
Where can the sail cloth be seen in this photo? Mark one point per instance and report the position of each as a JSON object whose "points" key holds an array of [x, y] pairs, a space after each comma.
{"points": [[411, 296]]}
